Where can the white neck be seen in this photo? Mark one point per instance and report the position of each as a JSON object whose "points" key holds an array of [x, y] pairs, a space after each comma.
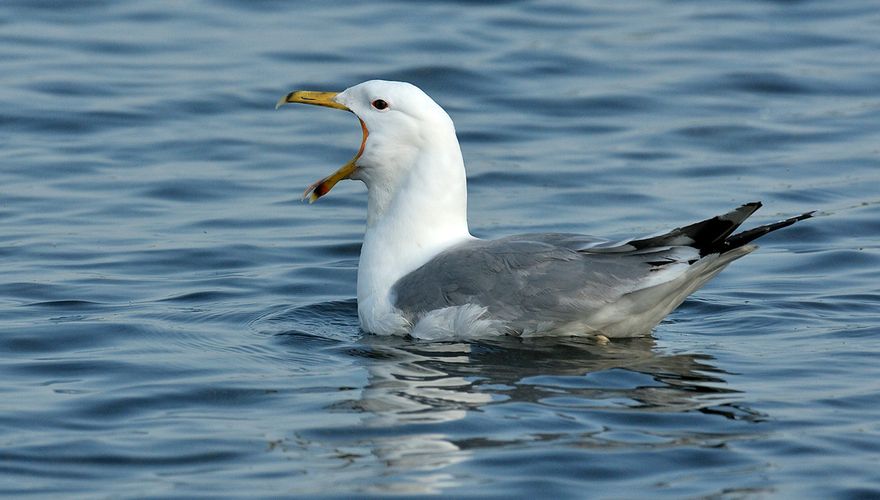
{"points": [[415, 210]]}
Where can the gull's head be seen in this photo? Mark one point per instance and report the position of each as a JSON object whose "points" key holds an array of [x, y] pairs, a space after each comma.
{"points": [[399, 123]]}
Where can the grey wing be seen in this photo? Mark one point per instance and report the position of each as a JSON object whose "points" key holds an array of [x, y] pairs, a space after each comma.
{"points": [[557, 277], [525, 277]]}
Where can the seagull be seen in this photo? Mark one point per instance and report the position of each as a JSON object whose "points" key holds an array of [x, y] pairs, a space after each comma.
{"points": [[421, 272]]}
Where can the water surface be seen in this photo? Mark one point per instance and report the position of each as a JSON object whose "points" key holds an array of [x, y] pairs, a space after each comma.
{"points": [[174, 322]]}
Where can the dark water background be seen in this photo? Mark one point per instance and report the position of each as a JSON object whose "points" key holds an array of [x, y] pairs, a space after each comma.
{"points": [[176, 323]]}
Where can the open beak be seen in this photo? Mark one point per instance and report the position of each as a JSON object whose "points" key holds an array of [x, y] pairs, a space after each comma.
{"points": [[326, 99]]}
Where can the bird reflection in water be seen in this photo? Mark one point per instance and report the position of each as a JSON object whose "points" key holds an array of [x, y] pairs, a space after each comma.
{"points": [[424, 407], [413, 382], [420, 397]]}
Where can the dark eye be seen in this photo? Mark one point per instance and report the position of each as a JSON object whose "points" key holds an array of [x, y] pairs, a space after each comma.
{"points": [[380, 104]]}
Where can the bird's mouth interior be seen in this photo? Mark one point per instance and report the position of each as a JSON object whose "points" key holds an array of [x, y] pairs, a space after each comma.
{"points": [[326, 99], [323, 186]]}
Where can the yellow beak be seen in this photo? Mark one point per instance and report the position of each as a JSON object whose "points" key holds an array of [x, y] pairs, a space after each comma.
{"points": [[310, 97], [326, 99]]}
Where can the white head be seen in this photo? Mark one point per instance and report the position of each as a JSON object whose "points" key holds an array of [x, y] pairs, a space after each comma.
{"points": [[417, 195], [401, 125]]}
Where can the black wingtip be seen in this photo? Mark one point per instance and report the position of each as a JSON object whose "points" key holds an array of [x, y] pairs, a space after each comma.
{"points": [[714, 235], [746, 237], [707, 235]]}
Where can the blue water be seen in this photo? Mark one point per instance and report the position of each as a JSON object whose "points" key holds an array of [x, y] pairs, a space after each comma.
{"points": [[174, 322]]}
